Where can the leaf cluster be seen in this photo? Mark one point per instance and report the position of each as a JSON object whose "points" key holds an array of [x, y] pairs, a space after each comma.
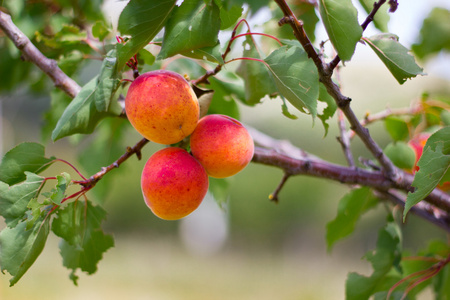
{"points": [[31, 213]]}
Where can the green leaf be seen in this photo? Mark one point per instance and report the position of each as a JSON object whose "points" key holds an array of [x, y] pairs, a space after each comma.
{"points": [[434, 33], [394, 56], [212, 53], [14, 199], [82, 116], [229, 17], [296, 77], [84, 242], [100, 30], [225, 96], [381, 18], [253, 5], [433, 164], [401, 154], [350, 209], [328, 111], [108, 82], [258, 81], [397, 128], [340, 18], [19, 248], [442, 284], [146, 56], [285, 110], [306, 12], [69, 38], [194, 24], [220, 189], [141, 20], [25, 157], [37, 209], [70, 62], [386, 256], [60, 191], [58, 103]]}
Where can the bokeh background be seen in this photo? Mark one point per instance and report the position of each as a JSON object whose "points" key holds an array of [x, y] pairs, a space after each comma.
{"points": [[250, 248]]}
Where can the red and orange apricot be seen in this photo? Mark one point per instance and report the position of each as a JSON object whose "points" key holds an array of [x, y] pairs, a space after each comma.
{"points": [[162, 106], [222, 145], [173, 183]]}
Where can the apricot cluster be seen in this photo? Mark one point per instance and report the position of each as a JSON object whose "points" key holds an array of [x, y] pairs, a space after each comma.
{"points": [[163, 108]]}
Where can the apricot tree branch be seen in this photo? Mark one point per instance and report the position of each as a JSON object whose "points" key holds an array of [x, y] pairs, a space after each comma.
{"points": [[437, 201], [32, 54], [294, 161], [422, 209], [343, 102]]}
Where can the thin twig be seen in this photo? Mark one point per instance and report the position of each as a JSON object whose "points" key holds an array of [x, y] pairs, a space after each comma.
{"points": [[371, 118], [274, 196], [344, 140], [136, 149]]}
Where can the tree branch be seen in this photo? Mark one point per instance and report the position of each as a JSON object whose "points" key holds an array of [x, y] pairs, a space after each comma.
{"points": [[294, 161], [32, 54], [136, 149], [333, 89], [421, 209]]}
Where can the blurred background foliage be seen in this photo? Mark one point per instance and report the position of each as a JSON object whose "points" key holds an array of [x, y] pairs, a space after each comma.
{"points": [[250, 248]]}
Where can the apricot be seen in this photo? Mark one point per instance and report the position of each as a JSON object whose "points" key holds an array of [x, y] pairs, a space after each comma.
{"points": [[222, 145], [162, 106], [417, 143], [173, 183]]}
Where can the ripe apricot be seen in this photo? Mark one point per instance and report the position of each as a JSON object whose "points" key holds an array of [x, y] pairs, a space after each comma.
{"points": [[173, 183], [222, 145], [417, 143], [162, 106]]}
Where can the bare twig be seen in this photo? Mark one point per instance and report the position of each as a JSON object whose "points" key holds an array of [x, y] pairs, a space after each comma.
{"points": [[274, 196], [371, 118], [344, 140], [31, 53]]}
